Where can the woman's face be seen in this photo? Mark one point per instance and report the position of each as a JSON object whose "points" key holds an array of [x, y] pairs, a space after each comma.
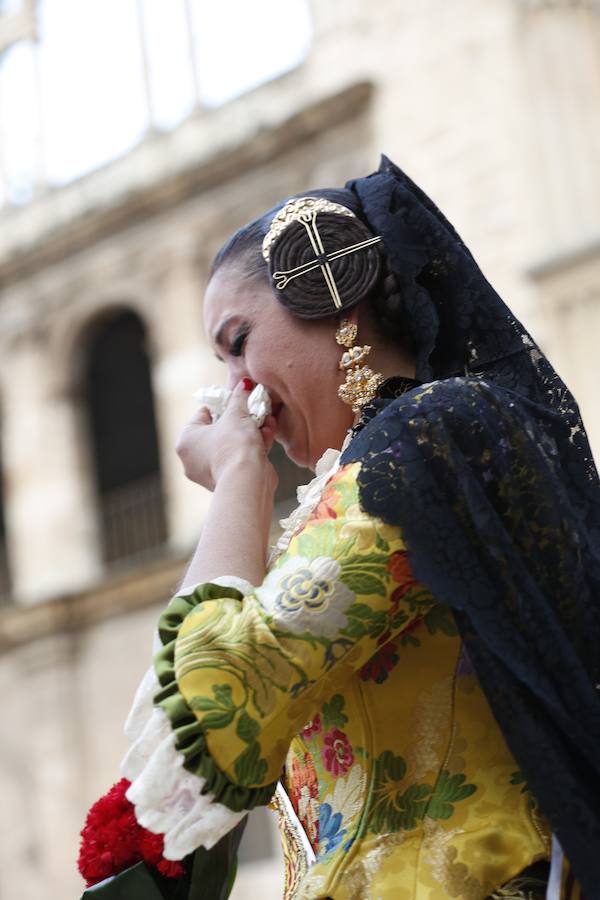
{"points": [[295, 359]]}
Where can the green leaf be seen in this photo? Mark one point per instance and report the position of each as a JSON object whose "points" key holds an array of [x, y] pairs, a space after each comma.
{"points": [[398, 620], [378, 624], [440, 618], [362, 583], [406, 639], [417, 792], [380, 543], [218, 719], [389, 767], [247, 728], [449, 789], [250, 769], [223, 694], [355, 629], [203, 703], [332, 712], [360, 611], [373, 560]]}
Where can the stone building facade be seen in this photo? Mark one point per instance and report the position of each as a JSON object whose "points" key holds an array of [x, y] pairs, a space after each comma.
{"points": [[492, 107]]}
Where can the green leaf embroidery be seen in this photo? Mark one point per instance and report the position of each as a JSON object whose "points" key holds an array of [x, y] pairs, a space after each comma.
{"points": [[519, 778], [448, 790], [220, 711], [362, 582], [372, 561], [355, 629], [332, 712], [380, 543], [406, 639], [439, 618], [223, 699], [247, 728], [394, 809], [389, 767], [398, 620], [203, 703], [360, 611], [218, 719], [250, 769], [363, 620], [223, 695]]}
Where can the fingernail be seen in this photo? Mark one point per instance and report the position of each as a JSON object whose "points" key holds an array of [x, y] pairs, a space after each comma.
{"points": [[248, 384]]}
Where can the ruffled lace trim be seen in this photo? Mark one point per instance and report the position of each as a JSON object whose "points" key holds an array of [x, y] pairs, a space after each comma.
{"points": [[309, 496], [168, 798]]}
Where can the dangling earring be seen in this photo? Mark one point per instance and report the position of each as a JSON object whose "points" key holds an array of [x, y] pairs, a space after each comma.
{"points": [[361, 382]]}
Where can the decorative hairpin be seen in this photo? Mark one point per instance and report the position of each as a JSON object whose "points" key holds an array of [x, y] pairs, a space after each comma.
{"points": [[305, 211]]}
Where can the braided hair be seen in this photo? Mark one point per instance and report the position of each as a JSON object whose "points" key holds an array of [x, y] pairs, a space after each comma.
{"points": [[364, 275]]}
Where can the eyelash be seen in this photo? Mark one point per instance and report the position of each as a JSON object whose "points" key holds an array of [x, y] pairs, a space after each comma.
{"points": [[238, 344]]}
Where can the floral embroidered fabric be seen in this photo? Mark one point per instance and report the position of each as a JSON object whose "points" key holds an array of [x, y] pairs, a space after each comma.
{"points": [[343, 667]]}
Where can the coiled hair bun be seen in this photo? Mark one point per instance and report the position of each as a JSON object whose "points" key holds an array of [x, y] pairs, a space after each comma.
{"points": [[355, 274], [363, 275]]}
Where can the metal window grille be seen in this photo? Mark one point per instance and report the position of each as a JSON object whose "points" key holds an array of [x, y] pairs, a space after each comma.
{"points": [[133, 521]]}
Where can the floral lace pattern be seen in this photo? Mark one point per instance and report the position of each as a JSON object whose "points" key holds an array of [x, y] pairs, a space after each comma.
{"points": [[481, 470]]}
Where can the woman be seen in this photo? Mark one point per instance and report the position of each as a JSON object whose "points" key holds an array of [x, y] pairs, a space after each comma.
{"points": [[418, 663]]}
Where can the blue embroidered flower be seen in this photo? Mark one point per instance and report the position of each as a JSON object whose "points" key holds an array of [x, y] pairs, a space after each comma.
{"points": [[330, 835]]}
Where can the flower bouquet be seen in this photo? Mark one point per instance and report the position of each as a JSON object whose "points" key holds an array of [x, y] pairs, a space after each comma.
{"points": [[121, 860]]}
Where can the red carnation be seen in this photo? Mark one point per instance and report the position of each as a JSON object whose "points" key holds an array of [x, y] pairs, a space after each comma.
{"points": [[112, 840]]}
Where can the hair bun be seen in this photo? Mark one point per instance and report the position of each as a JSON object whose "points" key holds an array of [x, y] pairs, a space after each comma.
{"points": [[355, 274]]}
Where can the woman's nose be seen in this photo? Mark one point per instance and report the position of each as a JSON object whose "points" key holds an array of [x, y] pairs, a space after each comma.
{"points": [[235, 375]]}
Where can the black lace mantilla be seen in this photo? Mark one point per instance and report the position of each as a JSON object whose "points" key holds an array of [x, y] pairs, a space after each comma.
{"points": [[488, 471]]}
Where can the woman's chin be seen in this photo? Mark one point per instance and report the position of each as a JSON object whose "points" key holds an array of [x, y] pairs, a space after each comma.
{"points": [[292, 452]]}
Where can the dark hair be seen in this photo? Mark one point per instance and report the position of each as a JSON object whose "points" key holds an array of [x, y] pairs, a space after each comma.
{"points": [[358, 276]]}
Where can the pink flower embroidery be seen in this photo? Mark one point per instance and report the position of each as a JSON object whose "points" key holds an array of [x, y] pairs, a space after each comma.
{"points": [[337, 752], [313, 727]]}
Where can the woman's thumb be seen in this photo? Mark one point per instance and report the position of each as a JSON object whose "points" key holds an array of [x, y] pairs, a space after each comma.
{"points": [[238, 401]]}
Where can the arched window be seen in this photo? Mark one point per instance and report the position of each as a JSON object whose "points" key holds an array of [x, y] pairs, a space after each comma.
{"points": [[118, 395]]}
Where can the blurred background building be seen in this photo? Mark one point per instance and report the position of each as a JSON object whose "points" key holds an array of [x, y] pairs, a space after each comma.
{"points": [[135, 135]]}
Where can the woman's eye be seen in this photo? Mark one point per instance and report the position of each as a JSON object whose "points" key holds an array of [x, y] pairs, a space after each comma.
{"points": [[238, 344]]}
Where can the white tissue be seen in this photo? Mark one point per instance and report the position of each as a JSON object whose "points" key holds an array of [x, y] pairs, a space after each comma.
{"points": [[216, 397]]}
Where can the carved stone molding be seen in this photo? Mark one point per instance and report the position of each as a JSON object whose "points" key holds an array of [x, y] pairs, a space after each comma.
{"points": [[117, 595]]}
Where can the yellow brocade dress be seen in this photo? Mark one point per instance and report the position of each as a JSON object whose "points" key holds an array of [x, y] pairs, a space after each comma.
{"points": [[344, 673]]}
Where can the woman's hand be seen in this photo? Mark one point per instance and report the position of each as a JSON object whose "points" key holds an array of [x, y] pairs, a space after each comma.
{"points": [[208, 450]]}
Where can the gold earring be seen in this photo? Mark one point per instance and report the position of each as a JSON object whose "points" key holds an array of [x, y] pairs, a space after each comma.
{"points": [[361, 382]]}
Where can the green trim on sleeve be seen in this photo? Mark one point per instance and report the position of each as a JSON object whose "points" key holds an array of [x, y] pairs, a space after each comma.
{"points": [[189, 735]]}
